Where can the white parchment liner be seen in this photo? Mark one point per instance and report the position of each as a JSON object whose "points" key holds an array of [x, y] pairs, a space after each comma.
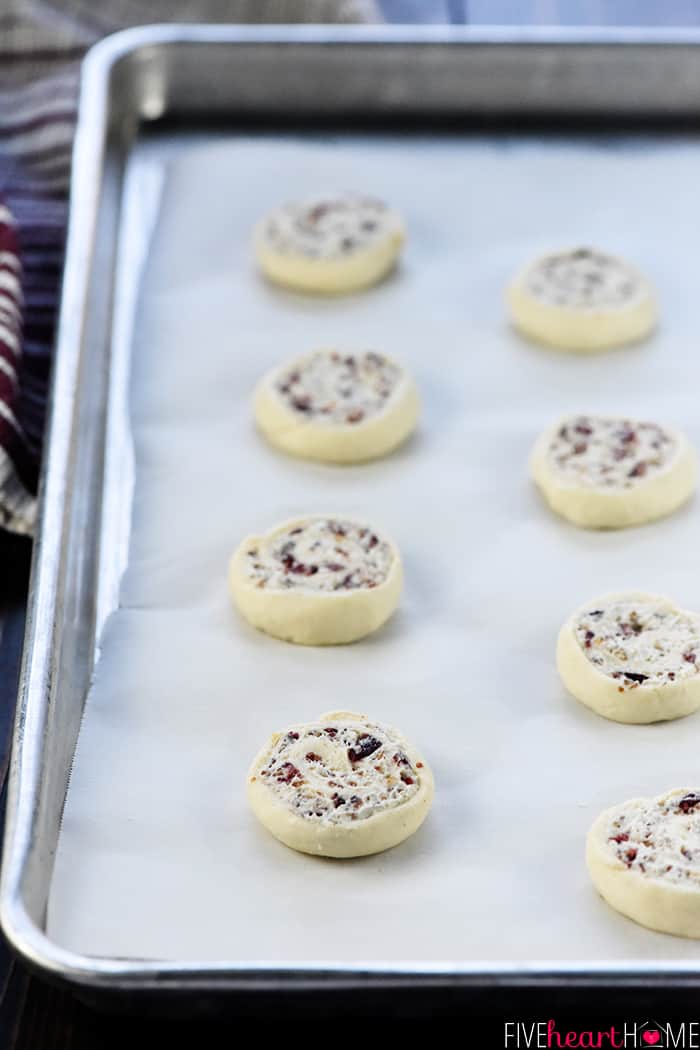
{"points": [[159, 856]]}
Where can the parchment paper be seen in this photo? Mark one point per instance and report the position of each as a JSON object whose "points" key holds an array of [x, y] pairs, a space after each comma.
{"points": [[159, 856]]}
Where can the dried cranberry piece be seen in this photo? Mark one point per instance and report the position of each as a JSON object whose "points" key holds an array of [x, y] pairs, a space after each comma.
{"points": [[299, 568], [337, 800], [356, 416], [622, 837], [311, 756], [286, 773], [631, 855], [588, 638], [638, 470], [331, 731], [286, 385], [366, 746], [635, 676], [690, 657], [292, 735], [688, 803], [287, 561], [304, 570], [302, 403], [318, 212]]}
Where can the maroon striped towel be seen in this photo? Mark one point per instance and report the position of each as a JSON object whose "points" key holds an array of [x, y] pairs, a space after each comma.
{"points": [[37, 118], [17, 504], [40, 45]]}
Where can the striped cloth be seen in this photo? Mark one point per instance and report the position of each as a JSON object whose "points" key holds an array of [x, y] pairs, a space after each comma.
{"points": [[36, 134], [17, 474], [41, 45]]}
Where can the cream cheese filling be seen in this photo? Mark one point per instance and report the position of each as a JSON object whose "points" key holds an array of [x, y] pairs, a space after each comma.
{"points": [[584, 279], [332, 227], [333, 387], [339, 772], [321, 554], [659, 838], [608, 453], [640, 643]]}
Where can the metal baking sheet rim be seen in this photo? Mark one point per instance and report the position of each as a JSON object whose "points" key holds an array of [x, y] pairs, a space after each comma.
{"points": [[22, 835]]}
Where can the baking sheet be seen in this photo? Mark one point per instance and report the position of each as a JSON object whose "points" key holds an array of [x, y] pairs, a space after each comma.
{"points": [[159, 856]]}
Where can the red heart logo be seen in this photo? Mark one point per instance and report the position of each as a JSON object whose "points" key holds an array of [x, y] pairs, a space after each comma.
{"points": [[651, 1038]]}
